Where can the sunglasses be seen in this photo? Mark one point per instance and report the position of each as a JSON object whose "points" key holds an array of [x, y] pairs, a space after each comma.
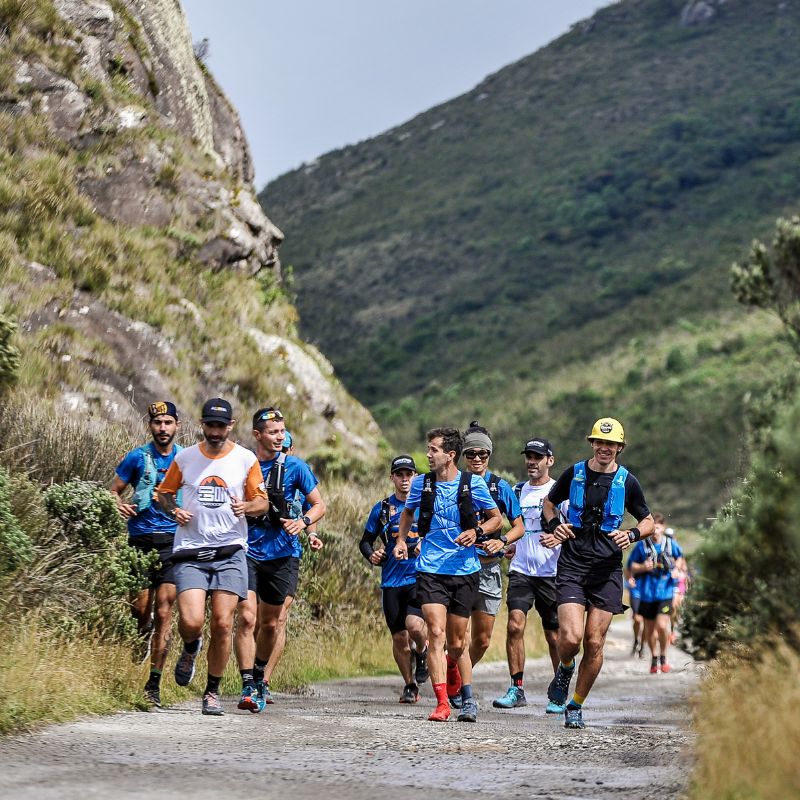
{"points": [[481, 454], [273, 413]]}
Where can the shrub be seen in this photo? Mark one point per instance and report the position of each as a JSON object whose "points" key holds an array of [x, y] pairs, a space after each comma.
{"points": [[9, 354], [15, 545]]}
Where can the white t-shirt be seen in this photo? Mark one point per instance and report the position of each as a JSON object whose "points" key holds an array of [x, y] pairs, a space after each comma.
{"points": [[532, 558]]}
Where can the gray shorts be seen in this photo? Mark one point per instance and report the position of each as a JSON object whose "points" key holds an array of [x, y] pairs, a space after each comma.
{"points": [[225, 575], [490, 589]]}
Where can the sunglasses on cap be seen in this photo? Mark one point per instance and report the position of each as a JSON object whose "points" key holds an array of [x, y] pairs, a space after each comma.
{"points": [[267, 416], [481, 454]]}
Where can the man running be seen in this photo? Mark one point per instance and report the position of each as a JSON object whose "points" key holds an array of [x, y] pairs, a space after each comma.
{"points": [[220, 483], [447, 566], [589, 576], [149, 529], [477, 453], [637, 621], [657, 564], [532, 574], [399, 579], [274, 550]]}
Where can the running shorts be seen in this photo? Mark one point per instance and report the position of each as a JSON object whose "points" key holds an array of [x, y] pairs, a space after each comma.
{"points": [[603, 591], [163, 571], [529, 591], [225, 575], [398, 603], [276, 579], [490, 589], [456, 592], [652, 609]]}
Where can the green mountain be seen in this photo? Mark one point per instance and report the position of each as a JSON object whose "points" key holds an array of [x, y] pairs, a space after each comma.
{"points": [[554, 245]]}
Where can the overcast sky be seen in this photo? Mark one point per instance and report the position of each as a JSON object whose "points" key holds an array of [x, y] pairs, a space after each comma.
{"points": [[309, 76]]}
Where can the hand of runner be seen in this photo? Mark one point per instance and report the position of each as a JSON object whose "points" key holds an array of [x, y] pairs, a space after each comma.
{"points": [[491, 547], [314, 542], [182, 517], [293, 526], [377, 556], [127, 510], [648, 565], [563, 532], [621, 539], [467, 538], [549, 540], [237, 506], [400, 551], [511, 550]]}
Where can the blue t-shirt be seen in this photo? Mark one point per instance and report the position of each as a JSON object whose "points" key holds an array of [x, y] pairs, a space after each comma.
{"points": [[393, 572], [131, 469], [439, 553], [659, 585], [264, 542]]}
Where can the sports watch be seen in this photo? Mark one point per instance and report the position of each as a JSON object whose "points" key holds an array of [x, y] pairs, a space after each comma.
{"points": [[307, 521], [504, 539]]}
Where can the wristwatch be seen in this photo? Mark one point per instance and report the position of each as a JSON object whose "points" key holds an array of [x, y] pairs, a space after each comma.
{"points": [[307, 521], [504, 539], [478, 532]]}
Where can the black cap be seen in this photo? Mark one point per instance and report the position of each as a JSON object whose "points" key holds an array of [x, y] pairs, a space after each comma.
{"points": [[217, 410], [403, 461], [162, 407], [535, 445]]}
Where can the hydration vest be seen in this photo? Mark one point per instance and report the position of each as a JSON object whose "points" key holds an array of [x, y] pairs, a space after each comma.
{"points": [[278, 507], [145, 488], [614, 507], [518, 490], [384, 518], [467, 517], [493, 483]]}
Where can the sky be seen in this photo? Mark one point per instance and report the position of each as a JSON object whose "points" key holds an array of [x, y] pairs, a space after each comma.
{"points": [[309, 76]]}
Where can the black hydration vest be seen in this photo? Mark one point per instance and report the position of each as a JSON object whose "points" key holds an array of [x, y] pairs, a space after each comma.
{"points": [[466, 511], [494, 490], [278, 508]]}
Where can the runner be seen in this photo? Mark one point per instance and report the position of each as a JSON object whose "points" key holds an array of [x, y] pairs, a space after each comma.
{"points": [[532, 574], [149, 529], [477, 453], [220, 483], [637, 621], [399, 579], [275, 549], [589, 576], [657, 564], [448, 566], [681, 587]]}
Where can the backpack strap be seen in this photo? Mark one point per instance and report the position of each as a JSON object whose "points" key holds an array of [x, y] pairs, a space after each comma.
{"points": [[384, 517], [466, 511], [278, 508], [518, 489], [494, 490], [426, 503]]}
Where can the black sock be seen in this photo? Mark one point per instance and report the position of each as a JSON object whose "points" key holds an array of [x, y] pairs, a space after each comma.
{"points": [[516, 679], [192, 647], [247, 678], [212, 684], [662, 659], [258, 670], [155, 678], [574, 706]]}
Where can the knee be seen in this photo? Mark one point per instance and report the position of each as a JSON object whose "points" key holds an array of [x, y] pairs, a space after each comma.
{"points": [[221, 624], [569, 640], [436, 633], [481, 643], [455, 646], [515, 629], [592, 645], [245, 622], [400, 640]]}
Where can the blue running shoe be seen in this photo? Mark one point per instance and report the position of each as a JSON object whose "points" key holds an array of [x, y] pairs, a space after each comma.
{"points": [[513, 698], [554, 708], [455, 701], [262, 688], [250, 701], [573, 718], [469, 711], [558, 689], [184, 668]]}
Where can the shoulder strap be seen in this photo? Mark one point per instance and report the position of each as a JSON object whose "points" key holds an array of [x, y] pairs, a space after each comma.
{"points": [[384, 517], [426, 503], [278, 508], [518, 489], [466, 511]]}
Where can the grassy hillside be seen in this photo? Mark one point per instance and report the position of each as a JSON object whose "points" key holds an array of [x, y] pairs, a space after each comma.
{"points": [[555, 244]]}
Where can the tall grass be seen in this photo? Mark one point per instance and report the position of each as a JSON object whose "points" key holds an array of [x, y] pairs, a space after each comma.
{"points": [[749, 730]]}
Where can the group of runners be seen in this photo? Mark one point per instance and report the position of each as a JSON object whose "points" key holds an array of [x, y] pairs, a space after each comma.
{"points": [[231, 523]]}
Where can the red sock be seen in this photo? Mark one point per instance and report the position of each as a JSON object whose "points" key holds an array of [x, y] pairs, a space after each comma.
{"points": [[440, 690], [451, 663]]}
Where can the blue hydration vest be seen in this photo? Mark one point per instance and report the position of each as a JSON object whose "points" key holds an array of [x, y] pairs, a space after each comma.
{"points": [[614, 509], [145, 488]]}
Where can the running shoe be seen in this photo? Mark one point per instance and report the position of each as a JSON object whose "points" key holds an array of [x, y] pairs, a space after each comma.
{"points": [[453, 679], [558, 689], [513, 698], [469, 711], [654, 669], [554, 708], [673, 637], [410, 694], [440, 714], [573, 718], [250, 700], [211, 705], [455, 700], [184, 667], [421, 666], [635, 648], [262, 687], [152, 693], [666, 668]]}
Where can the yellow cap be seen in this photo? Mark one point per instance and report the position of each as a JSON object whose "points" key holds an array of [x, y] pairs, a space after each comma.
{"points": [[608, 429]]}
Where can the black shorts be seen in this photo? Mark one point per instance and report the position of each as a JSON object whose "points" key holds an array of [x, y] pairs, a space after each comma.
{"points": [[275, 580], [162, 572], [603, 591], [398, 603], [653, 609], [527, 591], [457, 592]]}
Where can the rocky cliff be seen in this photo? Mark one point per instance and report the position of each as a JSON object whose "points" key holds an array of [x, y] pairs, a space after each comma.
{"points": [[134, 254]]}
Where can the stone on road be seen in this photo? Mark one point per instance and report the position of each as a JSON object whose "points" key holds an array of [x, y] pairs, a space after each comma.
{"points": [[353, 738]]}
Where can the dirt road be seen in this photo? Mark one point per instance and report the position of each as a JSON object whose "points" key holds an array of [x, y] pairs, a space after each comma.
{"points": [[352, 739]]}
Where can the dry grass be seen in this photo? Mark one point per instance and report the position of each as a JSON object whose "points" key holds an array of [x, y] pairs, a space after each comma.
{"points": [[749, 729]]}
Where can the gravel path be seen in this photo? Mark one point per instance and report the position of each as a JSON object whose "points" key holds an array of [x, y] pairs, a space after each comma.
{"points": [[352, 737]]}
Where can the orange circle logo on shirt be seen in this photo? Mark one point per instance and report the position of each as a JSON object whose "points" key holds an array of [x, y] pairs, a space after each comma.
{"points": [[212, 492]]}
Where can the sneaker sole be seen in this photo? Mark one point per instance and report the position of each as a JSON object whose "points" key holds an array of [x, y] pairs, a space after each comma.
{"points": [[213, 713], [465, 718], [248, 704], [408, 702]]}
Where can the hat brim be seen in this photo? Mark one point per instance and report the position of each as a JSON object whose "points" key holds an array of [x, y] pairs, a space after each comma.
{"points": [[226, 420], [535, 450]]}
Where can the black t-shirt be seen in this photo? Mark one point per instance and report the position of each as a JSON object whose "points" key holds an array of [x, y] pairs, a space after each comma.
{"points": [[593, 550]]}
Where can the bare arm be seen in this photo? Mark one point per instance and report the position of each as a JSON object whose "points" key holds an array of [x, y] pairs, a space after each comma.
{"points": [[315, 513], [495, 546], [118, 486], [404, 527], [492, 524]]}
